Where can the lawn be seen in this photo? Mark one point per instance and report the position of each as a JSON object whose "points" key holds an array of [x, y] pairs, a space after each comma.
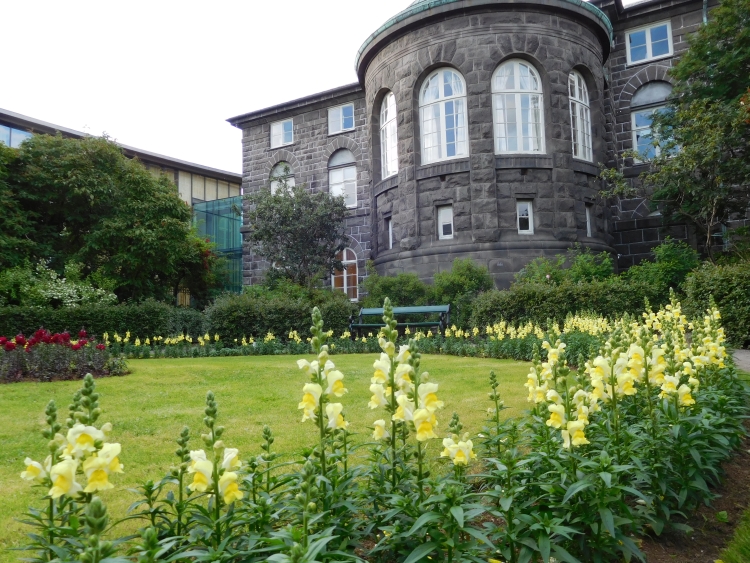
{"points": [[149, 407]]}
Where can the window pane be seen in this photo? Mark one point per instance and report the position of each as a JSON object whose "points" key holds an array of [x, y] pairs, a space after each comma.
{"points": [[524, 223], [334, 121], [447, 229], [659, 41], [17, 137], [659, 33], [431, 92], [505, 78], [637, 41], [5, 135], [431, 132], [288, 131], [348, 117]]}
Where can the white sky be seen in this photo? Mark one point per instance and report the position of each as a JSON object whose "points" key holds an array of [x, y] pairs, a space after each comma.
{"points": [[164, 75]]}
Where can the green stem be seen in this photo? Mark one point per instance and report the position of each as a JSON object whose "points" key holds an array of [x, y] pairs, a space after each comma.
{"points": [[51, 516], [180, 497], [420, 477]]}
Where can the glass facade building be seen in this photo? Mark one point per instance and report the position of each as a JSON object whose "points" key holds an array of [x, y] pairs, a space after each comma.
{"points": [[220, 221]]}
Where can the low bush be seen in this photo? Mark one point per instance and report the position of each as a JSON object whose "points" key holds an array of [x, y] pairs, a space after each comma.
{"points": [[729, 287]]}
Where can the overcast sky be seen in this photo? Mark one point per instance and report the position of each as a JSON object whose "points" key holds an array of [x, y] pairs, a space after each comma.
{"points": [[164, 76]]}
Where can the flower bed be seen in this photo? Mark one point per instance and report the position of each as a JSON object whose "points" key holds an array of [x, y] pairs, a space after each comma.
{"points": [[625, 444], [49, 356]]}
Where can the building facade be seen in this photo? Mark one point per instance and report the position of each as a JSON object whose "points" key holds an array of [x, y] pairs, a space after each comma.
{"points": [[476, 129], [213, 194]]}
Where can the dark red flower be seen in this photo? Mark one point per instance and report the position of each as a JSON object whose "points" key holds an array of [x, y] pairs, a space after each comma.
{"points": [[75, 347], [100, 347], [20, 339], [82, 334], [3, 340], [9, 346], [83, 342]]}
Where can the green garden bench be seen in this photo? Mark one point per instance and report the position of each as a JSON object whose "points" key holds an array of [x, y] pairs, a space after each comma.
{"points": [[441, 323]]}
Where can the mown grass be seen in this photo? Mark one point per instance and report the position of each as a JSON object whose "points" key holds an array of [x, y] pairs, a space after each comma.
{"points": [[149, 407]]}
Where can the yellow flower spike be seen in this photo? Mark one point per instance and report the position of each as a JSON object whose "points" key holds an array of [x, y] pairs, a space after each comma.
{"points": [[335, 418], [402, 377], [81, 440], [379, 430], [231, 459], [382, 368], [310, 401], [228, 487], [669, 386], [424, 422], [202, 471], [34, 471], [686, 399], [557, 416], [335, 383], [575, 430], [63, 476], [378, 396], [464, 451], [428, 397], [216, 337]]}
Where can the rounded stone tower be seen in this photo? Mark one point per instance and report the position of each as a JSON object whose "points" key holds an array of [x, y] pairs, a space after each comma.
{"points": [[486, 123]]}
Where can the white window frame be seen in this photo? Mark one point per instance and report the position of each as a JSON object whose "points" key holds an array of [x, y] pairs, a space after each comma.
{"points": [[462, 146], [389, 230], [445, 217], [530, 204], [635, 130], [336, 119], [344, 187], [500, 94], [388, 136], [343, 274], [589, 221], [647, 29], [580, 118], [277, 133]]}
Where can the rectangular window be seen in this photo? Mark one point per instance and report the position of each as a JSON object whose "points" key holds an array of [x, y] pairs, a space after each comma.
{"points": [[647, 43], [17, 137], [282, 133], [641, 127], [445, 222], [389, 231], [525, 217], [343, 182], [341, 119], [5, 135], [589, 225]]}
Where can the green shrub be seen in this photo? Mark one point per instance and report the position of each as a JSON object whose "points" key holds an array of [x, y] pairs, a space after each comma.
{"points": [[729, 285], [261, 310], [538, 302], [147, 319], [673, 261], [460, 286], [577, 265], [403, 290]]}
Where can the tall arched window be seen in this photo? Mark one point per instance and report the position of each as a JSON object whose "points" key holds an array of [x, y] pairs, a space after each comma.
{"points": [[517, 108], [647, 100], [346, 280], [282, 173], [342, 176], [580, 116], [388, 136], [443, 116]]}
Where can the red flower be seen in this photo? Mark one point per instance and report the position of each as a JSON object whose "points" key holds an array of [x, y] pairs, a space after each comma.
{"points": [[83, 342], [75, 347], [3, 340], [82, 334], [100, 347], [9, 346], [20, 339]]}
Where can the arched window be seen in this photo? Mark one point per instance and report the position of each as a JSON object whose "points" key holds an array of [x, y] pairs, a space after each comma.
{"points": [[517, 108], [342, 176], [281, 174], [580, 116], [443, 116], [346, 280], [648, 100], [388, 136]]}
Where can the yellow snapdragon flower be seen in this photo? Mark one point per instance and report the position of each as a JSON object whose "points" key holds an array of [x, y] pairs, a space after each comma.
{"points": [[202, 470], [310, 401], [231, 460], [335, 418], [63, 476], [335, 383], [405, 410], [428, 397], [424, 422], [228, 487], [379, 430], [557, 416], [81, 440], [35, 471], [378, 396]]}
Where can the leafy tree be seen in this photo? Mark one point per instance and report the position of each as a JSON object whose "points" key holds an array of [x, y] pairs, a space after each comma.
{"points": [[404, 289], [703, 171], [577, 265], [88, 203], [460, 286], [297, 231], [15, 226]]}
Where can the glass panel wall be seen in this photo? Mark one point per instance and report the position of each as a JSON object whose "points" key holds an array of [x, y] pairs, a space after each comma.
{"points": [[220, 221]]}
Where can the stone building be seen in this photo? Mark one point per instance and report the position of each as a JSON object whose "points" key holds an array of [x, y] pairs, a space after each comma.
{"points": [[475, 130]]}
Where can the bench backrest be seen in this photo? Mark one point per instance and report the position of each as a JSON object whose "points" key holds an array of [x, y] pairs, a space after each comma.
{"points": [[425, 309]]}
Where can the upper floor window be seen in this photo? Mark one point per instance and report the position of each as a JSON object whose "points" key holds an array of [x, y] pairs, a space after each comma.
{"points": [[651, 42], [12, 137], [443, 116], [580, 116], [346, 279], [342, 176], [281, 174], [648, 100], [341, 119], [445, 221], [517, 107], [282, 133], [388, 136]]}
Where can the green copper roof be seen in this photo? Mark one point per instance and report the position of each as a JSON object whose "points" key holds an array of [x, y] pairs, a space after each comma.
{"points": [[424, 5]]}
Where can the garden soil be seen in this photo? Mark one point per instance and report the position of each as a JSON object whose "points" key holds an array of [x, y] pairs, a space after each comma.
{"points": [[710, 535]]}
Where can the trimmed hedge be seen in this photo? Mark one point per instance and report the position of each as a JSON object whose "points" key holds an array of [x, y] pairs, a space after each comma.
{"points": [[147, 319], [256, 314], [538, 302], [729, 285]]}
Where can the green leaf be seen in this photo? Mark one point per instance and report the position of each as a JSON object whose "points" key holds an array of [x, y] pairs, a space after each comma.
{"points": [[607, 520], [422, 520], [607, 478], [575, 488], [458, 513], [544, 546], [421, 551], [479, 535], [505, 503]]}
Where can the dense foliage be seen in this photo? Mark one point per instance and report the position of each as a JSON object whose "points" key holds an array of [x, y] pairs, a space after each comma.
{"points": [[82, 201], [627, 443], [297, 231]]}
